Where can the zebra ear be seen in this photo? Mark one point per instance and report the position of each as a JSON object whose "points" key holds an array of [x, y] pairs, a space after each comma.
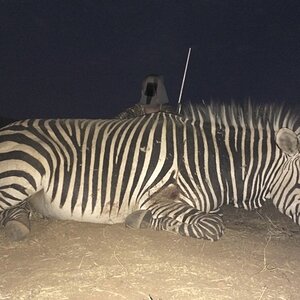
{"points": [[287, 141]]}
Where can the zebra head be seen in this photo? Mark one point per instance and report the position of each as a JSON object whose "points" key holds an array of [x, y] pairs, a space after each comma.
{"points": [[285, 191]]}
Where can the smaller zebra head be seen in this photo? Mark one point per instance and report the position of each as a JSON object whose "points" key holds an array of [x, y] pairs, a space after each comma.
{"points": [[285, 190]]}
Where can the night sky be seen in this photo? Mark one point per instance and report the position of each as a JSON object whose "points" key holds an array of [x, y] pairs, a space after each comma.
{"points": [[87, 59]]}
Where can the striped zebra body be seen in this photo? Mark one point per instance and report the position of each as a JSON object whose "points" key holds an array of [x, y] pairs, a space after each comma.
{"points": [[93, 171], [110, 171]]}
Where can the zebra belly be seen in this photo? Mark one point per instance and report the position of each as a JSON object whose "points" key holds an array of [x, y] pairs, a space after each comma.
{"points": [[52, 209]]}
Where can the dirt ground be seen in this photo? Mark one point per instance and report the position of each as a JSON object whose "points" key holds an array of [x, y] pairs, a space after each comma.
{"points": [[257, 258]]}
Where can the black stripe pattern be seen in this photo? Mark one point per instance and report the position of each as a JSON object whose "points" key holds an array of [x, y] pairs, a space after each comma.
{"points": [[104, 170]]}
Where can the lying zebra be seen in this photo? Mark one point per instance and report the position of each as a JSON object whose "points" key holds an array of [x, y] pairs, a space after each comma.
{"points": [[162, 171]]}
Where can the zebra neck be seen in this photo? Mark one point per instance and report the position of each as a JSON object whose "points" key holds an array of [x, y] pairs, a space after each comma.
{"points": [[228, 164]]}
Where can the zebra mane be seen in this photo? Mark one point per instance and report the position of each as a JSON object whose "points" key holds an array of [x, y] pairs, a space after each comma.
{"points": [[247, 114]]}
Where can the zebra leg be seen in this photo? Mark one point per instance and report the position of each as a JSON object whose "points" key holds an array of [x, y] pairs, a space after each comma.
{"points": [[16, 221], [201, 225], [165, 211], [186, 221], [139, 219]]}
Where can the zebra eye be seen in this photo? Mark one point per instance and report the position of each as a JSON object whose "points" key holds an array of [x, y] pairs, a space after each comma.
{"points": [[287, 141]]}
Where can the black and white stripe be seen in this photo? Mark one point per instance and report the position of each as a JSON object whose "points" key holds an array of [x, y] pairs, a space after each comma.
{"points": [[235, 156], [104, 170], [89, 170]]}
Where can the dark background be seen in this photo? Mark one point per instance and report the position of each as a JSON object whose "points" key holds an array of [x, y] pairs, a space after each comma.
{"points": [[87, 58]]}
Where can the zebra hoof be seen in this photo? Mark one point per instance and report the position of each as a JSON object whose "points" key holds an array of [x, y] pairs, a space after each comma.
{"points": [[139, 219], [16, 231]]}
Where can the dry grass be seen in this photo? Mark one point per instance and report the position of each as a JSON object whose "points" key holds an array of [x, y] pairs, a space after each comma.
{"points": [[258, 258]]}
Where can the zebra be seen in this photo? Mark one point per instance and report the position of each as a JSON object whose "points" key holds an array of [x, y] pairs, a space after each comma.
{"points": [[161, 170]]}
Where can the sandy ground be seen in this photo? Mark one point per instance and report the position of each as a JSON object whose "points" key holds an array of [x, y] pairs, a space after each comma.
{"points": [[257, 258]]}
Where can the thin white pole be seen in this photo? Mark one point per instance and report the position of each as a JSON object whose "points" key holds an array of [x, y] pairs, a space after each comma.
{"points": [[183, 80]]}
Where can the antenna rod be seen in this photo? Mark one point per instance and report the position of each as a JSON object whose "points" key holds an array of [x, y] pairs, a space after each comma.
{"points": [[183, 80]]}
